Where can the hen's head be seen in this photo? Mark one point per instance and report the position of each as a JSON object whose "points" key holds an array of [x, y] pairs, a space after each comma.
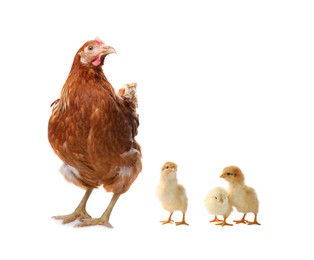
{"points": [[232, 174], [93, 53]]}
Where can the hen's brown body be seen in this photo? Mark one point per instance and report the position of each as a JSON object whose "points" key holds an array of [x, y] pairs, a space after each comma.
{"points": [[92, 130]]}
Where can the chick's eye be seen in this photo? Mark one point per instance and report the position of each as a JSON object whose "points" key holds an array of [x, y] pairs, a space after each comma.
{"points": [[90, 48], [229, 173], [215, 197]]}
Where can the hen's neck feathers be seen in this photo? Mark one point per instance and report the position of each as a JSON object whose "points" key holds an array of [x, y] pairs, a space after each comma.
{"points": [[83, 77]]}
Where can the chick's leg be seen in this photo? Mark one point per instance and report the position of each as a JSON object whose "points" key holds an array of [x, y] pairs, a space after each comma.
{"points": [[104, 219], [183, 221], [169, 220], [242, 220], [80, 212], [215, 220], [254, 222], [224, 222]]}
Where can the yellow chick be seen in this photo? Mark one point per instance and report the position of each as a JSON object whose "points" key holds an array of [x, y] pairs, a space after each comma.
{"points": [[242, 197], [217, 203], [171, 194]]}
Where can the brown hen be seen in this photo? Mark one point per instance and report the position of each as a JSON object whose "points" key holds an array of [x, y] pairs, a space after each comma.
{"points": [[92, 129]]}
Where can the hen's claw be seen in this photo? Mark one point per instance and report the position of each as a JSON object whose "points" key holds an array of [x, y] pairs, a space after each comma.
{"points": [[79, 213], [94, 222], [76, 215]]}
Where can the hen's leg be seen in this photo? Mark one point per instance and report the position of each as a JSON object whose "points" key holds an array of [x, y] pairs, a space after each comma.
{"points": [[104, 219], [80, 212], [254, 221], [169, 220], [215, 220], [242, 220], [183, 221]]}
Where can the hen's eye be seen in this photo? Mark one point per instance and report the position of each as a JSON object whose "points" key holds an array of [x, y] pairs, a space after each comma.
{"points": [[90, 48]]}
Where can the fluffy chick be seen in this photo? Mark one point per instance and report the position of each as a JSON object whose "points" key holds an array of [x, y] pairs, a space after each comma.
{"points": [[242, 197], [171, 194], [217, 203]]}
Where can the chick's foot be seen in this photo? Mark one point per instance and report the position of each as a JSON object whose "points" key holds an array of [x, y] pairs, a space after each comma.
{"points": [[254, 222], [181, 223], [168, 221], [242, 220], [224, 223], [216, 220]]}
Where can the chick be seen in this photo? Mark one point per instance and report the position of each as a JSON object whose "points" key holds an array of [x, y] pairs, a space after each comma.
{"points": [[171, 194], [242, 197], [217, 203]]}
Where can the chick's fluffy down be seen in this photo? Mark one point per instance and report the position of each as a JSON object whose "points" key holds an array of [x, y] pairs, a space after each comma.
{"points": [[244, 199], [172, 197], [217, 202]]}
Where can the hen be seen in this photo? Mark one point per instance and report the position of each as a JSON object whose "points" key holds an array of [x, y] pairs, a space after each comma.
{"points": [[92, 129]]}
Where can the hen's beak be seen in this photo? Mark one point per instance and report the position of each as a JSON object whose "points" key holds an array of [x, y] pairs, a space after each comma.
{"points": [[107, 50]]}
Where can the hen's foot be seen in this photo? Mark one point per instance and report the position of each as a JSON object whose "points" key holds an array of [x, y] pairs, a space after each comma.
{"points": [[80, 215], [104, 219], [94, 222]]}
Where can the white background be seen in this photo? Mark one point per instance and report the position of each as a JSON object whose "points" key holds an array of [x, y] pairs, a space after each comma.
{"points": [[219, 83]]}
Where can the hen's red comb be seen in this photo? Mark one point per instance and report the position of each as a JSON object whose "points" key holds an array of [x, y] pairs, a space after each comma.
{"points": [[98, 40]]}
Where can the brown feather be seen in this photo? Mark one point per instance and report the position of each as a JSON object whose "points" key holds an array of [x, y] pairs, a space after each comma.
{"points": [[92, 129]]}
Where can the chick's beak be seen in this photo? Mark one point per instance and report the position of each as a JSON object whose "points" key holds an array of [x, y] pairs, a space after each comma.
{"points": [[222, 175]]}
